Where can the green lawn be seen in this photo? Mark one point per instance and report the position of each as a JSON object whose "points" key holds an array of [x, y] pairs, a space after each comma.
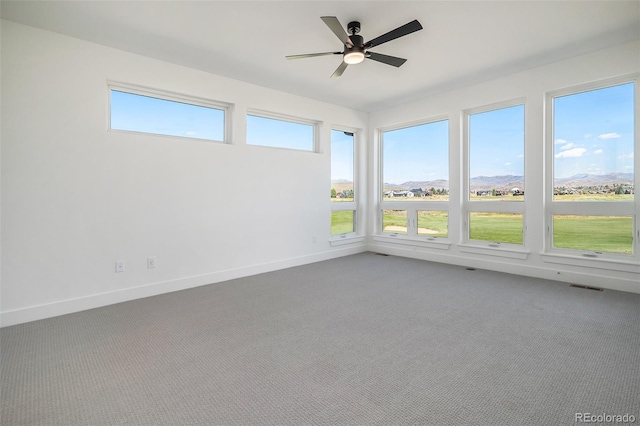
{"points": [[496, 227], [595, 233], [342, 222]]}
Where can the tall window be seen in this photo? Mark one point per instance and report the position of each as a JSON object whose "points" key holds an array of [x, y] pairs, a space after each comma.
{"points": [[343, 196], [495, 183], [155, 112], [278, 132], [592, 204], [415, 180]]}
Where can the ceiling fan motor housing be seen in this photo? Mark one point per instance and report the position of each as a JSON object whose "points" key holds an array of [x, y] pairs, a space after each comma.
{"points": [[357, 41], [354, 27]]}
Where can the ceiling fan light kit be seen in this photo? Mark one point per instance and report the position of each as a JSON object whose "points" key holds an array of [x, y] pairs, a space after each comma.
{"points": [[354, 56], [355, 50]]}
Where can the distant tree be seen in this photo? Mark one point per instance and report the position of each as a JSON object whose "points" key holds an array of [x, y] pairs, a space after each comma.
{"points": [[333, 193], [493, 192], [619, 190]]}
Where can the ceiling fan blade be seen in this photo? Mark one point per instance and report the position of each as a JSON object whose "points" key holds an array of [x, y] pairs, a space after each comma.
{"points": [[338, 72], [335, 26], [409, 28], [311, 55], [386, 59]]}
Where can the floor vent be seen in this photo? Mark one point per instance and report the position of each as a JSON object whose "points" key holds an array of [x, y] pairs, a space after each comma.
{"points": [[586, 287]]}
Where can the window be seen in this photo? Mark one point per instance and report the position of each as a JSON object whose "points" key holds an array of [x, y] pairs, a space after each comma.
{"points": [[394, 221], [494, 137], [496, 227], [343, 222], [280, 133], [343, 189], [146, 111], [414, 181], [593, 137], [416, 162], [613, 234], [496, 154], [433, 224], [592, 208]]}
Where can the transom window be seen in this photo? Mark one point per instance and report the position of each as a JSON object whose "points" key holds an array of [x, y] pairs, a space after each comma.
{"points": [[160, 113], [276, 132]]}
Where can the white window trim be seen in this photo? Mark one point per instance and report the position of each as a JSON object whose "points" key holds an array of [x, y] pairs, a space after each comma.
{"points": [[166, 95], [290, 119], [602, 260]]}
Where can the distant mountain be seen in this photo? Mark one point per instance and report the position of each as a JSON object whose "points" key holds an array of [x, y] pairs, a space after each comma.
{"points": [[585, 179], [506, 182], [438, 184], [481, 182]]}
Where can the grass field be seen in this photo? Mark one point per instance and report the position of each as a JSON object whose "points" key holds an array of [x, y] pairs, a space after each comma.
{"points": [[342, 222], [612, 234]]}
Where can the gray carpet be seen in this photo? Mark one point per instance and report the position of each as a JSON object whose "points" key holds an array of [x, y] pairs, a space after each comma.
{"points": [[362, 340]]}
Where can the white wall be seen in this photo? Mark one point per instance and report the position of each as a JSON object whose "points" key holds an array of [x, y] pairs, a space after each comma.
{"points": [[532, 85], [77, 197]]}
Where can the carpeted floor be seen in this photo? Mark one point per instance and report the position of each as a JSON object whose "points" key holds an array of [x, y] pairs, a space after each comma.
{"points": [[362, 340]]}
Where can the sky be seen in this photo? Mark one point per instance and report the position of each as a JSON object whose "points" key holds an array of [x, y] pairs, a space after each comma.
{"points": [[341, 156], [416, 153], [594, 131], [151, 115]]}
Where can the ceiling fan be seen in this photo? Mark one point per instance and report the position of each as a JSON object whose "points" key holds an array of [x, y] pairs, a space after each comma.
{"points": [[355, 49]]}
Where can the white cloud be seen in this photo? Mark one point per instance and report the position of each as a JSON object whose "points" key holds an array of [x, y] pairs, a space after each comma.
{"points": [[575, 152], [521, 156], [598, 151], [558, 141], [609, 136], [628, 156], [191, 133], [507, 164], [567, 146]]}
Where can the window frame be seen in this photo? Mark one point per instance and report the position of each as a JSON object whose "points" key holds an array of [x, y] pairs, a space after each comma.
{"points": [[490, 206], [270, 115], [170, 96], [412, 207], [606, 260]]}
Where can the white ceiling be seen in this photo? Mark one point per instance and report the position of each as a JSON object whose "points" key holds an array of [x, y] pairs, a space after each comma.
{"points": [[461, 43]]}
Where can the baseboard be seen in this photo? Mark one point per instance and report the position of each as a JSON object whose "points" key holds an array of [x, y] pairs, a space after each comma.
{"points": [[63, 307], [630, 285]]}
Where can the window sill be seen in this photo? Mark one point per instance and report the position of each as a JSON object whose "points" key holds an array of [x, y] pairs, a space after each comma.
{"points": [[501, 251], [401, 239], [592, 262], [342, 240]]}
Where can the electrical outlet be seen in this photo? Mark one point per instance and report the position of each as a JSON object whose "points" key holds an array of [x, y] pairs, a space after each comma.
{"points": [[151, 262], [119, 265]]}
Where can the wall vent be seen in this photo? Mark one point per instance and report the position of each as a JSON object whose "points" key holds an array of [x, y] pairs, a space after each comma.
{"points": [[586, 287], [381, 254]]}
